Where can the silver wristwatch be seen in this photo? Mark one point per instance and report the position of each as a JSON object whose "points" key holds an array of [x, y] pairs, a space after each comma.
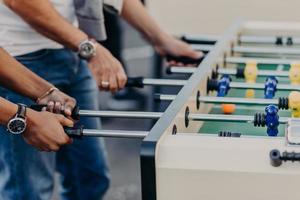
{"points": [[17, 125], [87, 49]]}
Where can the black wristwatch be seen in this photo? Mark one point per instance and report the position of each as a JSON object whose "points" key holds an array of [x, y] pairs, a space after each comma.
{"points": [[17, 125]]}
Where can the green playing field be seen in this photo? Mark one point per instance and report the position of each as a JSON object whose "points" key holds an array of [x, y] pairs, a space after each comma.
{"points": [[246, 128]]}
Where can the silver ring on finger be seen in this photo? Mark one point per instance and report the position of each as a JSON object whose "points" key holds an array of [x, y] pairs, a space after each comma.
{"points": [[104, 84]]}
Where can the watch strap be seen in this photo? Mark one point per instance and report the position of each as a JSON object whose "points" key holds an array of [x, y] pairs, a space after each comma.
{"points": [[21, 111]]}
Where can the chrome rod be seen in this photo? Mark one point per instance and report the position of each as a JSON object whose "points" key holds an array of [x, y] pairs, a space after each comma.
{"points": [[240, 101], [225, 100], [261, 86], [228, 118], [233, 72], [114, 133], [244, 39], [164, 82], [202, 47], [265, 61], [181, 70], [235, 85], [247, 49], [267, 50], [195, 117], [120, 114], [267, 39], [264, 73]]}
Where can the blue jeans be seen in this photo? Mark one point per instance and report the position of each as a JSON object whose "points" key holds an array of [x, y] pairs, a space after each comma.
{"points": [[27, 174]]}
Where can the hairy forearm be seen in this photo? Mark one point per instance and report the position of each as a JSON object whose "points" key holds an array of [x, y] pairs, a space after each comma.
{"points": [[135, 13], [43, 17], [7, 111], [16, 77]]}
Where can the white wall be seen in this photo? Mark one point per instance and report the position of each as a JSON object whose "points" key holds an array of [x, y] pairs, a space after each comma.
{"points": [[213, 16]]}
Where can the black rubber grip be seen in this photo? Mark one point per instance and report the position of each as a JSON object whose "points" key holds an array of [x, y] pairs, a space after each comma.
{"points": [[135, 82], [76, 133], [75, 113], [193, 41], [275, 158], [184, 59], [156, 98], [168, 70], [279, 41], [39, 108], [229, 134], [289, 41], [240, 72], [211, 85]]}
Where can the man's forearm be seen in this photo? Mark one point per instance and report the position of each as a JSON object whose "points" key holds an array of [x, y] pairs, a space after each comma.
{"points": [[16, 77], [7, 111], [43, 17], [136, 14]]}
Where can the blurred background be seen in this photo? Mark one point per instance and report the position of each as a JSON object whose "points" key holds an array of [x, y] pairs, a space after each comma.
{"points": [[214, 16], [177, 17]]}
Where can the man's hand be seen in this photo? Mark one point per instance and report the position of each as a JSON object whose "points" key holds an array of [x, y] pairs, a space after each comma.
{"points": [[107, 70], [59, 102], [45, 130], [172, 46], [136, 14]]}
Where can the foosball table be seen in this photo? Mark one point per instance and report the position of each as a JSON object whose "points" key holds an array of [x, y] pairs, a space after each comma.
{"points": [[233, 130]]}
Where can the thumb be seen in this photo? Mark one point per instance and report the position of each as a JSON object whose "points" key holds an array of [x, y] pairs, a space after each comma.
{"points": [[69, 106]]}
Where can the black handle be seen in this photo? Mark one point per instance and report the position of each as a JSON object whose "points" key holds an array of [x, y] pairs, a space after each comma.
{"points": [[135, 82], [75, 112], [278, 158], [184, 59], [156, 97], [76, 133], [211, 85], [195, 41], [275, 158]]}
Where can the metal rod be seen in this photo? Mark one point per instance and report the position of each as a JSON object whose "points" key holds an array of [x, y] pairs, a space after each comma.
{"points": [[240, 101], [245, 39], [182, 70], [264, 61], [236, 85], [256, 50], [114, 133], [261, 86], [164, 82], [225, 100], [120, 114], [228, 118], [264, 73], [266, 39], [202, 47], [233, 72], [267, 50], [157, 115]]}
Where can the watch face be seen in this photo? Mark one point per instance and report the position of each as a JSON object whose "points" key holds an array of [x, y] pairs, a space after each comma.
{"points": [[87, 50], [16, 126]]}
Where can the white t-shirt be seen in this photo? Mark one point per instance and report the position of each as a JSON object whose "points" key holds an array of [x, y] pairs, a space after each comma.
{"points": [[18, 38]]}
